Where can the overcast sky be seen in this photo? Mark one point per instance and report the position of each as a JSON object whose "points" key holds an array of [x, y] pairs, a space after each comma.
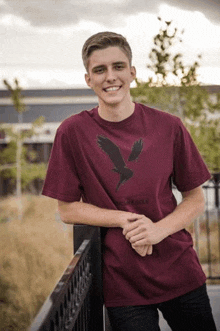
{"points": [[41, 41]]}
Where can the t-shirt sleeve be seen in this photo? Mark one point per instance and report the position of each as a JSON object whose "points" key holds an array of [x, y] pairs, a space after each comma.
{"points": [[62, 182], [190, 170]]}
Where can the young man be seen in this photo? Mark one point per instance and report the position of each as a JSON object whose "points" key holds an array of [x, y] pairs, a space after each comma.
{"points": [[120, 159]]}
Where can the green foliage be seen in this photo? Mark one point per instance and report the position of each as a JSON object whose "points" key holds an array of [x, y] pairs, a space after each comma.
{"points": [[30, 172], [160, 97], [162, 61], [174, 87], [16, 96], [9, 156], [207, 138], [194, 100], [169, 69], [38, 122]]}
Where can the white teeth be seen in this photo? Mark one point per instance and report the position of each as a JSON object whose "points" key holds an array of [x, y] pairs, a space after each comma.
{"points": [[109, 89]]}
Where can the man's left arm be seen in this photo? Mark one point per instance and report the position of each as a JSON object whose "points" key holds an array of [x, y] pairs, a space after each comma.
{"points": [[143, 231]]}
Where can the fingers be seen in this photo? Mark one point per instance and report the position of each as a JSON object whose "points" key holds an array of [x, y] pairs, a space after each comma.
{"points": [[149, 249], [136, 221], [129, 228], [131, 224], [140, 242], [136, 232], [144, 250], [140, 237], [134, 217]]}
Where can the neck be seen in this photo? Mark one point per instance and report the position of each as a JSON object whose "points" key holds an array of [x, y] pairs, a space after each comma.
{"points": [[116, 113]]}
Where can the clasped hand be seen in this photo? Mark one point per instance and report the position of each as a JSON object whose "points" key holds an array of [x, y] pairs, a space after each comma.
{"points": [[142, 233]]}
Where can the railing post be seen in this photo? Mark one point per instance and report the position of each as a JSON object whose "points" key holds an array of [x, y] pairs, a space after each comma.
{"points": [[216, 180], [82, 232]]}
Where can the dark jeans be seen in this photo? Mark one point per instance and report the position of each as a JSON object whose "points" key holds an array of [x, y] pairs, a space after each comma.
{"points": [[189, 312]]}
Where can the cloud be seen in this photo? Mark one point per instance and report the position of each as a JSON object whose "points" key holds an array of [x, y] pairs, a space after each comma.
{"points": [[66, 12], [50, 13], [210, 8]]}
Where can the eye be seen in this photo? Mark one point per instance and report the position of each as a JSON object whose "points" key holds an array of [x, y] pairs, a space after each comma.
{"points": [[99, 70], [119, 66]]}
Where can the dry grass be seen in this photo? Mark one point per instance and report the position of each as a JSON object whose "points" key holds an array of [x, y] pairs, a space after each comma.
{"points": [[34, 253]]}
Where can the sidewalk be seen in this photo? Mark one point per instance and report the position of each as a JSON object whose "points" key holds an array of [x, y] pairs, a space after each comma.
{"points": [[214, 295]]}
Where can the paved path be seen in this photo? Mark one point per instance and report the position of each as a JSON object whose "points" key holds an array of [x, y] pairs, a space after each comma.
{"points": [[214, 295]]}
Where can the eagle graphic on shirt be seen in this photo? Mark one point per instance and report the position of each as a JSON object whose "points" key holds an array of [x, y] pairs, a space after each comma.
{"points": [[114, 153]]}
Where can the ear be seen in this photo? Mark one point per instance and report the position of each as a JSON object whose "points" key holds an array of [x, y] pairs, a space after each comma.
{"points": [[88, 80], [133, 73]]}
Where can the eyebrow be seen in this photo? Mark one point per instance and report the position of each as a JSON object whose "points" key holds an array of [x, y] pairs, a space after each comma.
{"points": [[103, 66], [119, 62]]}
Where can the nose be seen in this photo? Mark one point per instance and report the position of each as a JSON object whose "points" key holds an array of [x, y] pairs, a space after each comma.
{"points": [[110, 75]]}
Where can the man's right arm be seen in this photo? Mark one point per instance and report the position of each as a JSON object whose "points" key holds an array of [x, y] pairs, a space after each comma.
{"points": [[84, 213], [87, 214]]}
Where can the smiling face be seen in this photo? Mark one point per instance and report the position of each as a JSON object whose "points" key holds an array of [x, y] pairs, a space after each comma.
{"points": [[110, 75]]}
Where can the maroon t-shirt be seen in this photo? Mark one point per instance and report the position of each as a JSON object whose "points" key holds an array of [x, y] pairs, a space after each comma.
{"points": [[130, 165]]}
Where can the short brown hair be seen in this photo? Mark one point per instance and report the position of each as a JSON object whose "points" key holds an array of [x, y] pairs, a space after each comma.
{"points": [[103, 40]]}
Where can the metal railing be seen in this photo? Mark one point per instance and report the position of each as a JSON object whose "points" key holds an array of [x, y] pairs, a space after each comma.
{"points": [[76, 302], [206, 229], [207, 232]]}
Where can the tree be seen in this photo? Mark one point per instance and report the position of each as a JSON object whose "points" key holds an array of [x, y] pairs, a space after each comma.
{"points": [[14, 158], [174, 87]]}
